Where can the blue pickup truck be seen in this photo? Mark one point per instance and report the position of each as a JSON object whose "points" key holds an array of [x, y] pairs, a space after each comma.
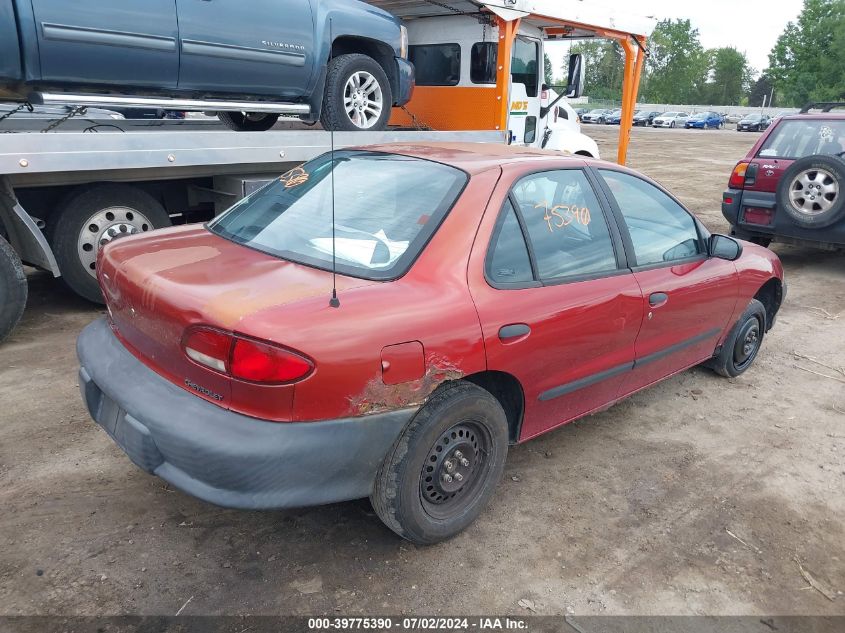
{"points": [[342, 62]]}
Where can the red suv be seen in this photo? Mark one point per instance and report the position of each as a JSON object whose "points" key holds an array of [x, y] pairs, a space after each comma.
{"points": [[485, 295], [791, 186]]}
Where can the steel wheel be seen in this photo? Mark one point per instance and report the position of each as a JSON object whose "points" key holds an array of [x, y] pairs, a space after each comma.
{"points": [[813, 191], [747, 344], [363, 100], [105, 226]]}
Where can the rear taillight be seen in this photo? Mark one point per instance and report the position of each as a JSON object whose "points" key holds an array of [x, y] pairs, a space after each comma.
{"points": [[737, 180], [244, 358]]}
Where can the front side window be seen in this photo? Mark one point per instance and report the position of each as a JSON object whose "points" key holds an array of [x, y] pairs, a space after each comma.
{"points": [[525, 65], [482, 63], [436, 64], [797, 138], [386, 208], [565, 224], [661, 230]]}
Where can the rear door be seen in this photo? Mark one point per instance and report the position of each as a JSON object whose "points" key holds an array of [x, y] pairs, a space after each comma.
{"points": [[559, 309], [260, 47], [688, 297], [132, 43]]}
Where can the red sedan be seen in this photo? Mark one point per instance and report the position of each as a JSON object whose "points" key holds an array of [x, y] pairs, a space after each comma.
{"points": [[485, 295]]}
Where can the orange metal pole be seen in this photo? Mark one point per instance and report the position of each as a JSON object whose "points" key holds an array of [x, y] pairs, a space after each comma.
{"points": [[507, 32], [626, 121]]}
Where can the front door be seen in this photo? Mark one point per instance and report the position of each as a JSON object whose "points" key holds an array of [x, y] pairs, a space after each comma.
{"points": [[88, 42], [259, 47], [559, 309], [688, 297], [524, 117]]}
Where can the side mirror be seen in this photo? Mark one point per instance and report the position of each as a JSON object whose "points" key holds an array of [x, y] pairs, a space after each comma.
{"points": [[724, 247], [575, 78]]}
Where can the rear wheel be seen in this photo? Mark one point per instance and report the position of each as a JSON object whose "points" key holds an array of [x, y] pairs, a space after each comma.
{"points": [[248, 121], [357, 96], [90, 219], [743, 342], [444, 468], [12, 289]]}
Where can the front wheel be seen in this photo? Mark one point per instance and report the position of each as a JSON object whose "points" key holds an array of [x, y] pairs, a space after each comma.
{"points": [[12, 289], [743, 342], [357, 96], [248, 121], [445, 466]]}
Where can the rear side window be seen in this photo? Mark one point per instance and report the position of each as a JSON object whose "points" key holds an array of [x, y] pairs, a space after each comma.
{"points": [[566, 226], [508, 261], [436, 64], [797, 138], [482, 62], [387, 207], [661, 230]]}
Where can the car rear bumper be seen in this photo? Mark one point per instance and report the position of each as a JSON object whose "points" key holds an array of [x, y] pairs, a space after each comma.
{"points": [[223, 457]]}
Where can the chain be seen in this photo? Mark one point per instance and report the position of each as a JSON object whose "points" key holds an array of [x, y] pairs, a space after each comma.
{"points": [[71, 113], [447, 7], [25, 104], [415, 121]]}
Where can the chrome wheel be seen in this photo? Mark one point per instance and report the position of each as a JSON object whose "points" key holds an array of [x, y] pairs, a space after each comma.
{"points": [[363, 100], [103, 227], [813, 191]]}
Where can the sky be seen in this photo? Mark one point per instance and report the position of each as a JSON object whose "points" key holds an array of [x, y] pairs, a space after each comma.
{"points": [[750, 26]]}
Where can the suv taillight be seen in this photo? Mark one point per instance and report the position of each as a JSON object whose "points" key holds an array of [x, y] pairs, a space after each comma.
{"points": [[737, 179], [244, 358]]}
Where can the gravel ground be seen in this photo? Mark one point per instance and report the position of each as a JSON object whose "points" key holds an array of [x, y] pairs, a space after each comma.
{"points": [[697, 496]]}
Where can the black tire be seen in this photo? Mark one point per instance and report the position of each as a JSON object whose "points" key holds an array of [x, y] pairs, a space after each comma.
{"points": [[333, 115], [12, 289], [742, 343], [72, 223], [672, 124], [248, 121], [834, 167], [411, 494]]}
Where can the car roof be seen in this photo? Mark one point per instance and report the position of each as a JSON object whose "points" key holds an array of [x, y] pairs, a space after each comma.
{"points": [[816, 115], [473, 158]]}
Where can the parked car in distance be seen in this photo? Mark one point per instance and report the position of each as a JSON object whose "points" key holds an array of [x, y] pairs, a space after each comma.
{"points": [[614, 118], [670, 119], [569, 283], [704, 120], [595, 116], [250, 66], [753, 123], [790, 187], [581, 112], [645, 117], [734, 118]]}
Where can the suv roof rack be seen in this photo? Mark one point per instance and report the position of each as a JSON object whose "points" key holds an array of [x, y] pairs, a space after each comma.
{"points": [[824, 106]]}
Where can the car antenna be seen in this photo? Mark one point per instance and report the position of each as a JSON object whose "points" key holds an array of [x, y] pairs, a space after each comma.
{"points": [[334, 302]]}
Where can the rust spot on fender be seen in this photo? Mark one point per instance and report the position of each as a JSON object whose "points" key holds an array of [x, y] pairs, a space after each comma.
{"points": [[378, 397]]}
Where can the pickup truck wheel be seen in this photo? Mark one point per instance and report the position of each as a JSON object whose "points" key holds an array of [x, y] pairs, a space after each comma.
{"points": [[248, 121], [93, 217], [743, 342], [812, 191], [445, 466], [12, 289], [357, 96]]}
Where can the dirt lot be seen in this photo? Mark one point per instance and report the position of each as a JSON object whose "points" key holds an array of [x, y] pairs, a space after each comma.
{"points": [[696, 496]]}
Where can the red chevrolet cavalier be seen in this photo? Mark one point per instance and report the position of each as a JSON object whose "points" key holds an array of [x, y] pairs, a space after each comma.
{"points": [[486, 295]]}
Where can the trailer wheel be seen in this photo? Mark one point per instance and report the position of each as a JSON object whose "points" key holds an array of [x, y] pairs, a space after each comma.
{"points": [[93, 217], [12, 289], [357, 96], [248, 121]]}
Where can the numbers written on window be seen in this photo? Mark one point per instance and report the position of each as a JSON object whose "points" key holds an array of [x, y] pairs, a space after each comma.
{"points": [[661, 230], [436, 64]]}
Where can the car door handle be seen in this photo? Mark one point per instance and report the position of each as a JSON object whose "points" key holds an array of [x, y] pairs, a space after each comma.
{"points": [[657, 299], [514, 330]]}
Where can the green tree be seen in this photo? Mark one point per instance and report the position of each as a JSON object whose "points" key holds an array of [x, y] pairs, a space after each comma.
{"points": [[548, 73], [603, 68], [730, 77], [761, 89], [678, 66], [808, 61]]}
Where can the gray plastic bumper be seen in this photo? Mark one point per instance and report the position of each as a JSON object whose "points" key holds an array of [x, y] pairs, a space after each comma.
{"points": [[223, 457]]}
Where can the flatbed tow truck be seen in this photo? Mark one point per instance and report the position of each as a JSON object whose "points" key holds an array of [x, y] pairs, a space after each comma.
{"points": [[67, 192]]}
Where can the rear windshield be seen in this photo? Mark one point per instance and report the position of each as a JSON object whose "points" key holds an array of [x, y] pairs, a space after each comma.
{"points": [[386, 208], [799, 138]]}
